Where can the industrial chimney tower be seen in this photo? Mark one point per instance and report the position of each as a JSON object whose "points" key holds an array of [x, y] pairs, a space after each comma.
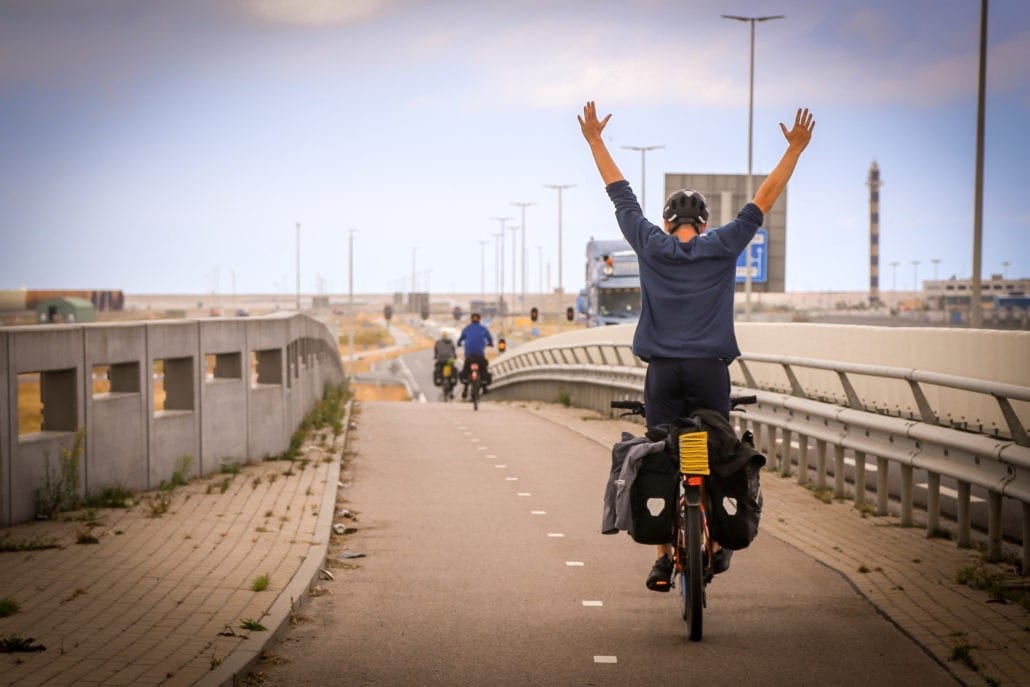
{"points": [[874, 234]]}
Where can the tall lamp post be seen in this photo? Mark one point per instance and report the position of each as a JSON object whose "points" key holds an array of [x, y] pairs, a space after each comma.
{"points": [[915, 275], [482, 269], [935, 261], [500, 264], [894, 275], [523, 206], [976, 312], [298, 266], [514, 242], [350, 302], [750, 117], [561, 289], [643, 173]]}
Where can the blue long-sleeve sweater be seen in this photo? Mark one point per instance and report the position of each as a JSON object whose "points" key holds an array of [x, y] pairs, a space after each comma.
{"points": [[686, 288]]}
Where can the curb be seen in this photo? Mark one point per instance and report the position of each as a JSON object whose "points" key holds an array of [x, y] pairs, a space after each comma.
{"points": [[242, 660]]}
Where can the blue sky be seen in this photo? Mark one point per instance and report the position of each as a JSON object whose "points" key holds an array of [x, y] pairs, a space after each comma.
{"points": [[167, 146]]}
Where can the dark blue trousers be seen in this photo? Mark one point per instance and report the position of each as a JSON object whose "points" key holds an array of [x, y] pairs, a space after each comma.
{"points": [[673, 387]]}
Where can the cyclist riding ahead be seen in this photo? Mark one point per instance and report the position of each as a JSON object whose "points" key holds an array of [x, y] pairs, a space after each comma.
{"points": [[444, 352], [475, 338], [687, 279]]}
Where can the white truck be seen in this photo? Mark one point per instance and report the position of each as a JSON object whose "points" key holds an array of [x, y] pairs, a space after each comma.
{"points": [[612, 292]]}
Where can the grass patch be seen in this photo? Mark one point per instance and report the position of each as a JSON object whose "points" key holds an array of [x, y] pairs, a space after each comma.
{"points": [[116, 496], [8, 607], [253, 626], [565, 398], [33, 543], [231, 467], [60, 490], [86, 537], [223, 486], [260, 583], [10, 644], [159, 504], [825, 494], [993, 582]]}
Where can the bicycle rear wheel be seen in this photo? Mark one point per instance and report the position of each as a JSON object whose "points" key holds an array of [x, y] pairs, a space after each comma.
{"points": [[692, 590], [475, 394]]}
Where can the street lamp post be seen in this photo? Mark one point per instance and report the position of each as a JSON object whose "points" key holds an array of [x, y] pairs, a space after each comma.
{"points": [[482, 269], [1005, 269], [561, 288], [915, 275], [894, 275], [514, 242], [500, 264], [523, 206], [540, 268], [298, 266], [643, 174], [350, 302], [935, 261], [750, 117], [413, 287]]}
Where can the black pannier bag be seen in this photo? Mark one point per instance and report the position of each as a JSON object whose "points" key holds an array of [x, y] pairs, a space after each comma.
{"points": [[734, 490], [652, 498]]}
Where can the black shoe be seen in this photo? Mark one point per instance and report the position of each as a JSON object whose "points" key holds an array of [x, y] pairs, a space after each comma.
{"points": [[464, 393], [660, 579], [721, 561]]}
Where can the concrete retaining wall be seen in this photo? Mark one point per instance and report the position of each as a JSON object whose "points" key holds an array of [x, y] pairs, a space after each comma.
{"points": [[233, 390]]}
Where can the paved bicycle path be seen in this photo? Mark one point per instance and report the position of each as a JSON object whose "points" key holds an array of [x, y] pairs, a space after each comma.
{"points": [[486, 566], [147, 604]]}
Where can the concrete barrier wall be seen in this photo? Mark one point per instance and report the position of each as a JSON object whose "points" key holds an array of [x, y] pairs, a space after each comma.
{"points": [[233, 390], [989, 355]]}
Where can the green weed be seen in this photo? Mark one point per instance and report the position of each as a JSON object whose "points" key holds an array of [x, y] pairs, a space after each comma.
{"points": [[60, 490], [253, 625], [8, 607], [260, 583]]}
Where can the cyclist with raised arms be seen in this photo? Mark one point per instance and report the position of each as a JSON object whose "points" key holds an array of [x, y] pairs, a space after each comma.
{"points": [[687, 281]]}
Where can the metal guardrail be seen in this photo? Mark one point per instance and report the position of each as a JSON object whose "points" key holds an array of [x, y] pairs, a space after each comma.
{"points": [[843, 434]]}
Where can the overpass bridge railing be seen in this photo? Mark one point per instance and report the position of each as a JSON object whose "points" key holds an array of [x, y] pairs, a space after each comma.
{"points": [[150, 393], [819, 433]]}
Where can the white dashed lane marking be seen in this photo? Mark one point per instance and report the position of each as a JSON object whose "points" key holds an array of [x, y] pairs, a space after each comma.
{"points": [[555, 535], [511, 479], [538, 512], [523, 493], [574, 564], [605, 659], [593, 603]]}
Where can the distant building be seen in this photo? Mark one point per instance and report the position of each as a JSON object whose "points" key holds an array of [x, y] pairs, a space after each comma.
{"points": [[64, 310], [997, 292]]}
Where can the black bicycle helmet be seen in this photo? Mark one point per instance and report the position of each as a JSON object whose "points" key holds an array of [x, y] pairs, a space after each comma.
{"points": [[686, 207]]}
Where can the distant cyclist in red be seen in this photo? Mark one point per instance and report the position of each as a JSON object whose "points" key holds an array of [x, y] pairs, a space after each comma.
{"points": [[687, 281]]}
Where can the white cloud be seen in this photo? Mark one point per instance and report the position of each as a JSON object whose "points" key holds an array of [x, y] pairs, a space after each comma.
{"points": [[316, 13]]}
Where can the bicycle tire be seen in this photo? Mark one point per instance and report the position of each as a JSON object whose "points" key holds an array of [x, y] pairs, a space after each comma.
{"points": [[692, 592], [475, 394]]}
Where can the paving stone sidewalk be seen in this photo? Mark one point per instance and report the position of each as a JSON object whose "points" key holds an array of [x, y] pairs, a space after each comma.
{"points": [[161, 597], [908, 577]]}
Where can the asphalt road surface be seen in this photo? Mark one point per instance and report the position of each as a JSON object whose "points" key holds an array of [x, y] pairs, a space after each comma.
{"points": [[485, 566]]}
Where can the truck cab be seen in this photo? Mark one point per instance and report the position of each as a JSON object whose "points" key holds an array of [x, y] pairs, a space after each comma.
{"points": [[612, 291]]}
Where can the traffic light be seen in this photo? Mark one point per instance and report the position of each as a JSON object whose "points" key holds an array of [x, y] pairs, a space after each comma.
{"points": [[457, 312], [534, 314], [501, 345], [387, 312], [570, 314]]}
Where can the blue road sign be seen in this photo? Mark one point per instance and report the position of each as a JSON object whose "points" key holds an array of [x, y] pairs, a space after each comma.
{"points": [[759, 248]]}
